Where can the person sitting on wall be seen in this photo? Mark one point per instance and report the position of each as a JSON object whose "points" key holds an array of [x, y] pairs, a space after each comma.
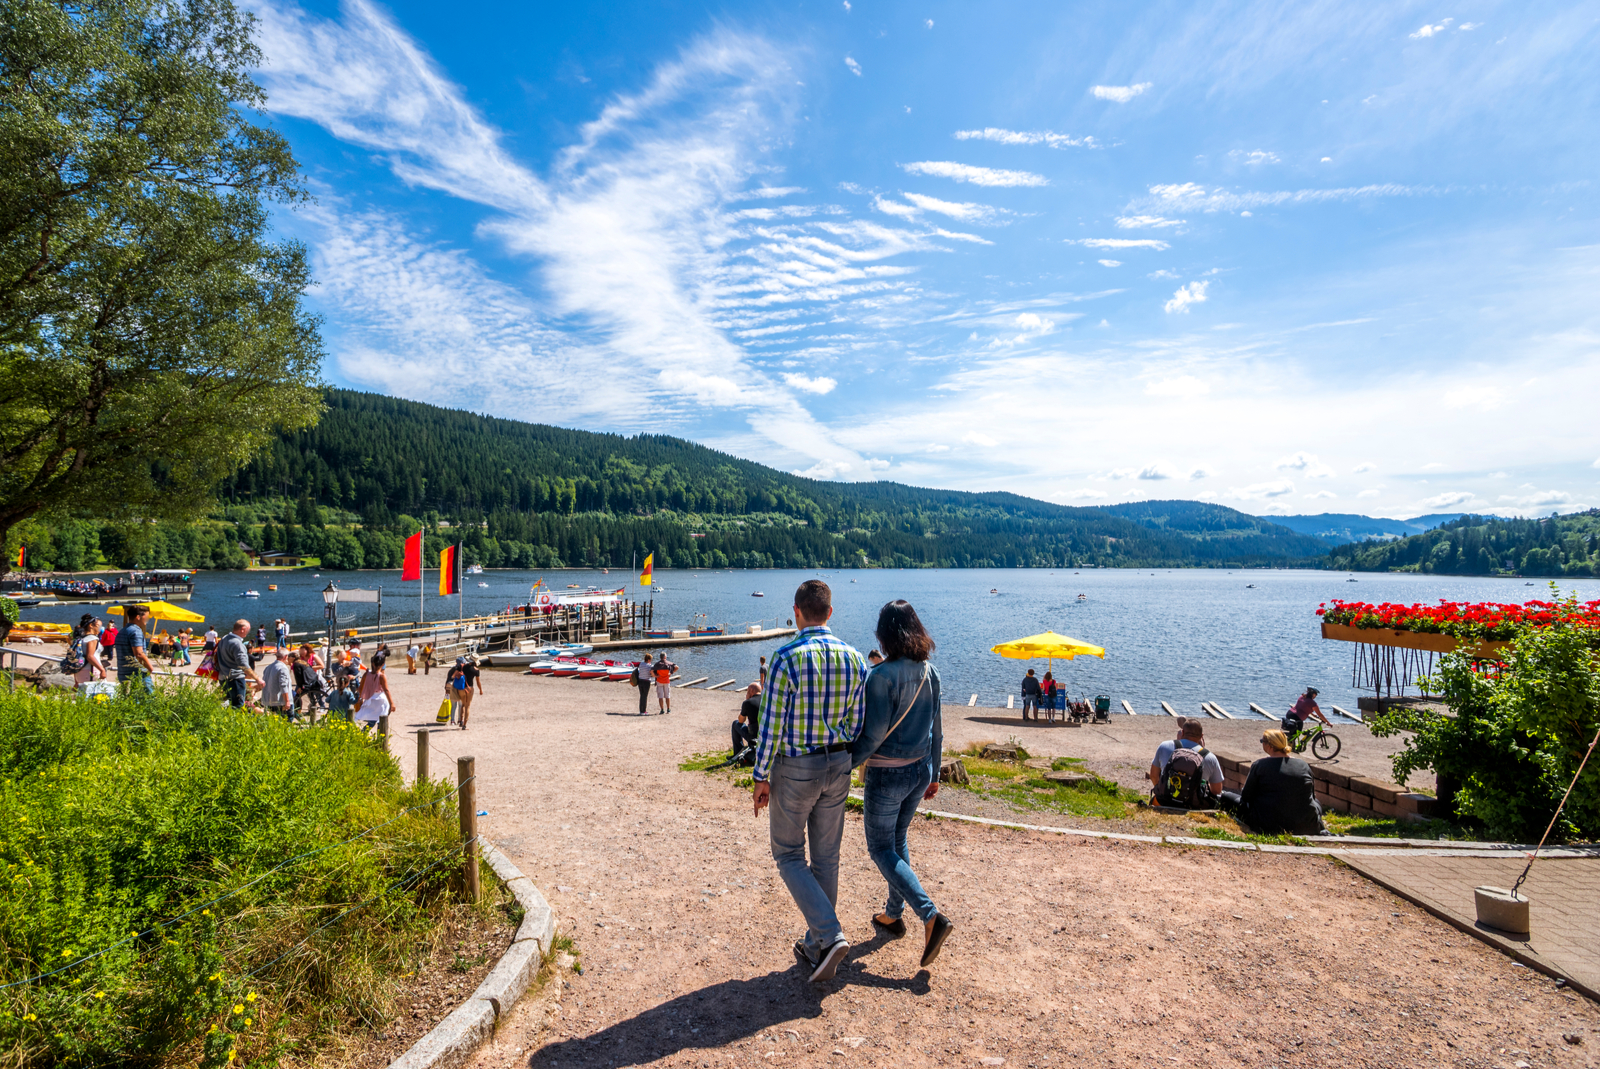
{"points": [[1279, 795], [747, 729], [1184, 773]]}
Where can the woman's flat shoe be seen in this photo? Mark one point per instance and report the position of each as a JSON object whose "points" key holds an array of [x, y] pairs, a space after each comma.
{"points": [[941, 931], [897, 929]]}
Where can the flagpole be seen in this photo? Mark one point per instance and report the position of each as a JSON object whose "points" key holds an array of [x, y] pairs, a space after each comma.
{"points": [[455, 566], [422, 574]]}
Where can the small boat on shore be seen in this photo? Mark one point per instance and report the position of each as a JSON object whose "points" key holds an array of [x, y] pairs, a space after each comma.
{"points": [[758, 594], [565, 668], [592, 670], [619, 672]]}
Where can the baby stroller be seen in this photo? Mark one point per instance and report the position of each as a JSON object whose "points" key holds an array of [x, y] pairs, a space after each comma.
{"points": [[1102, 709]]}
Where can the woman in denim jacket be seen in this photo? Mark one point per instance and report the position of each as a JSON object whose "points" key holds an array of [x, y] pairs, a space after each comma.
{"points": [[901, 744]]}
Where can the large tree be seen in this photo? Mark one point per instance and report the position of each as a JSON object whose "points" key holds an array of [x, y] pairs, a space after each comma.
{"points": [[151, 332]]}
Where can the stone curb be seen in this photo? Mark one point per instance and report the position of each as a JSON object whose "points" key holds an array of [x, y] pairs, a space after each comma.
{"points": [[454, 1039]]}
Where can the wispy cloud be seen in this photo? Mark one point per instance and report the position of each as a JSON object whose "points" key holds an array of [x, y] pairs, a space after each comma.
{"points": [[1119, 243], [1449, 499], [978, 176], [1305, 463], [855, 68], [1261, 491], [1025, 137], [1146, 222], [1193, 293], [964, 211], [1429, 31], [1121, 94], [1110, 263], [1189, 197], [1252, 159], [819, 385]]}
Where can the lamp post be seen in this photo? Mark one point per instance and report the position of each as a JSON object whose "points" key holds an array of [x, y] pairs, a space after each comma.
{"points": [[330, 601]]}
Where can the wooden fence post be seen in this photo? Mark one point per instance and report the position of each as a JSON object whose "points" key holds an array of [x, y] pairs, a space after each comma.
{"points": [[422, 756], [383, 731], [467, 802]]}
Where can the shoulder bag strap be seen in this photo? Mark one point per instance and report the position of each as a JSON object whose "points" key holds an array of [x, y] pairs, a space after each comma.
{"points": [[912, 702]]}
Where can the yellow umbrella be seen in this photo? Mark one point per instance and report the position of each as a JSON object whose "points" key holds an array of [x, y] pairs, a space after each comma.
{"points": [[164, 610], [1049, 644]]}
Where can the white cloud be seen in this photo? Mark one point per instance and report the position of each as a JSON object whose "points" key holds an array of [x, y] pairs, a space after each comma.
{"points": [[1110, 263], [1193, 293], [936, 448], [1244, 215], [1363, 468], [1596, 463], [1327, 159], [1121, 94], [978, 176], [1261, 491], [929, 24], [875, 464], [957, 236], [1253, 159], [1119, 243], [1540, 499], [1319, 495], [1189, 197], [889, 207], [965, 211], [847, 5], [1432, 465], [1449, 499], [1305, 463], [855, 68], [1158, 471], [1482, 396], [1085, 495], [976, 438], [1371, 493], [1137, 222], [1429, 31], [1469, 25], [1025, 137], [819, 385], [1179, 386], [1163, 273]]}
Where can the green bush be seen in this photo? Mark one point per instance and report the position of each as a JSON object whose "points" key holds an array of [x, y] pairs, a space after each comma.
{"points": [[1517, 734], [215, 839]]}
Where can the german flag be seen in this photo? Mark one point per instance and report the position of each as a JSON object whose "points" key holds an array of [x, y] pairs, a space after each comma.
{"points": [[449, 581]]}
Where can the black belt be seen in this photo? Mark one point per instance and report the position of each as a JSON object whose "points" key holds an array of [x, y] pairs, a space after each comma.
{"points": [[838, 747]]}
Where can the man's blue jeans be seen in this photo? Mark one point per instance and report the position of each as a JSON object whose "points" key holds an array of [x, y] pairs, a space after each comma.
{"points": [[808, 796], [892, 796], [237, 691]]}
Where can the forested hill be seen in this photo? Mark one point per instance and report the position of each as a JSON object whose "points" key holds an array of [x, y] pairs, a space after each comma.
{"points": [[589, 498], [1479, 545]]}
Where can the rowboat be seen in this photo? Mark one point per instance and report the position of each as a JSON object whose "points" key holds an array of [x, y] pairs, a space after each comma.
{"points": [[592, 670], [619, 672], [565, 668]]}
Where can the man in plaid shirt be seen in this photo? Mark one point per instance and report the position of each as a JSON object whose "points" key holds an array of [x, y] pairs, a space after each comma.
{"points": [[810, 714]]}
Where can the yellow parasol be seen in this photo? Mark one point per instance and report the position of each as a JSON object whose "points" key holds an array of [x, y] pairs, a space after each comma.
{"points": [[163, 610], [1050, 645]]}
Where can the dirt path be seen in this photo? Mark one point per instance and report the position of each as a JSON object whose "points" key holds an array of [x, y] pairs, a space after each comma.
{"points": [[1065, 951]]}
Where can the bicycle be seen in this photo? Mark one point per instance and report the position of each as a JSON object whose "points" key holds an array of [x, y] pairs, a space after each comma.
{"points": [[1324, 743]]}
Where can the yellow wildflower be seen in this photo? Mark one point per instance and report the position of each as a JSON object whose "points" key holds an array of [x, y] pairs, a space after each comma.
{"points": [[238, 1007]]}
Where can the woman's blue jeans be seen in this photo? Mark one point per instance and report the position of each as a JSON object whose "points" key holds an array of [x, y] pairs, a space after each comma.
{"points": [[892, 796]]}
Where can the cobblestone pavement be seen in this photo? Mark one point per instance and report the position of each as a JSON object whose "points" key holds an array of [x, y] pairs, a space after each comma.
{"points": [[1563, 894]]}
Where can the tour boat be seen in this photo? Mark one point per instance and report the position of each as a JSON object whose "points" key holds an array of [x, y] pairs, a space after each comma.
{"points": [[475, 569]]}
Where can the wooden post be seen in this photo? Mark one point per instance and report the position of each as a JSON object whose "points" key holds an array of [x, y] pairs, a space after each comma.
{"points": [[467, 802], [422, 756], [383, 731]]}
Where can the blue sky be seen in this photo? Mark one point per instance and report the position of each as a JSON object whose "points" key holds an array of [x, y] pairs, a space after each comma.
{"points": [[1286, 257]]}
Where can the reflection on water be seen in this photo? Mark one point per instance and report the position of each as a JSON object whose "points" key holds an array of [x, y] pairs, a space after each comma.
{"points": [[1185, 636]]}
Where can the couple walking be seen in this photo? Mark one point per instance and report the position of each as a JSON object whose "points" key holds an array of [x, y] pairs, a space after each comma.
{"points": [[823, 714]]}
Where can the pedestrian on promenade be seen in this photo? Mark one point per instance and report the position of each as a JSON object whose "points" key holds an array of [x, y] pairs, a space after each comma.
{"points": [[901, 744], [277, 686], [234, 669], [471, 679], [134, 671], [662, 670], [810, 715], [412, 652], [642, 678], [427, 658], [374, 700], [282, 628], [211, 640], [1030, 695], [88, 643], [181, 654]]}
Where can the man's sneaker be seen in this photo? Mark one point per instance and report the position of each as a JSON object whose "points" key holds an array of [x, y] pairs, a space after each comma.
{"points": [[830, 962], [803, 958]]}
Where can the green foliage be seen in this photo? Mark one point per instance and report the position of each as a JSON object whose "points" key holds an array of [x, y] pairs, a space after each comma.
{"points": [[531, 496], [1024, 788], [1517, 734], [151, 336], [1480, 545], [135, 816]]}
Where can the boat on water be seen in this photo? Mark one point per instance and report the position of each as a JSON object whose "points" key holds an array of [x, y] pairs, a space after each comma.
{"points": [[758, 594], [1083, 597], [474, 569], [249, 594], [706, 632], [483, 584], [994, 590], [272, 586]]}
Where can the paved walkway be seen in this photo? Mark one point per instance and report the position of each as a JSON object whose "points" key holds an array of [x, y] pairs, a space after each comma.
{"points": [[1564, 905]]}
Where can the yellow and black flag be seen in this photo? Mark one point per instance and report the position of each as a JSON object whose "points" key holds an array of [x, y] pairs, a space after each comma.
{"points": [[449, 567]]}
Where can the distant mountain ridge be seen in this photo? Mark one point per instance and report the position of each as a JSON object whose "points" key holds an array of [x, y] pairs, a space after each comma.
{"points": [[1341, 528]]}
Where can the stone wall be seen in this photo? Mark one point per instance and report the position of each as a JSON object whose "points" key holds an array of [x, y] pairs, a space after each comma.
{"points": [[1339, 791]]}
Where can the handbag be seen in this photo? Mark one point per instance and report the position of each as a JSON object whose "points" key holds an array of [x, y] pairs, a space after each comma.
{"points": [[443, 716]]}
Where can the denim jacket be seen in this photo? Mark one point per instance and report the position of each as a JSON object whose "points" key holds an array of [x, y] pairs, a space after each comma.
{"points": [[890, 686]]}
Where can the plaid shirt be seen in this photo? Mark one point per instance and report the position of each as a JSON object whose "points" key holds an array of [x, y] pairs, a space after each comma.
{"points": [[816, 696]]}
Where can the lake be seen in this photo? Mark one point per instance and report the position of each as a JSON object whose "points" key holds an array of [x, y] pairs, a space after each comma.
{"points": [[1183, 636]]}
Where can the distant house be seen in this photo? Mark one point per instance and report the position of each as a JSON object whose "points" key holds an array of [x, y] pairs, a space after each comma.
{"points": [[274, 558]]}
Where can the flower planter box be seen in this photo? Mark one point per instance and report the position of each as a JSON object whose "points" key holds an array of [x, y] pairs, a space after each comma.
{"points": [[1411, 640]]}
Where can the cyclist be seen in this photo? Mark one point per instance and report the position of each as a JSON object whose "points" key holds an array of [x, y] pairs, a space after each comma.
{"points": [[1304, 706]]}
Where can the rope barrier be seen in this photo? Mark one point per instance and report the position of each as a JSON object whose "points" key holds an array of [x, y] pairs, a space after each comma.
{"points": [[229, 894], [1556, 816]]}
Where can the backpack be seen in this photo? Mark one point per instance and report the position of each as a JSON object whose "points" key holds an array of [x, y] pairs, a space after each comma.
{"points": [[1183, 781], [74, 661]]}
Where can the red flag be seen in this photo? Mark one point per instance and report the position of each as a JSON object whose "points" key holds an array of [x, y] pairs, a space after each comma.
{"points": [[448, 581], [22, 557], [412, 568]]}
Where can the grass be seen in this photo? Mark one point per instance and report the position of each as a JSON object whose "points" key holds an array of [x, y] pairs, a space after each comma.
{"points": [[186, 866], [1217, 831], [1026, 788], [1386, 828]]}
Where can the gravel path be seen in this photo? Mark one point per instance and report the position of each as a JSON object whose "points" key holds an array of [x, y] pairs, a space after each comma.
{"points": [[1065, 951]]}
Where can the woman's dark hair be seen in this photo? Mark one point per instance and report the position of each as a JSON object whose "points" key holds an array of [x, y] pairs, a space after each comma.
{"points": [[84, 622], [380, 658], [901, 634]]}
